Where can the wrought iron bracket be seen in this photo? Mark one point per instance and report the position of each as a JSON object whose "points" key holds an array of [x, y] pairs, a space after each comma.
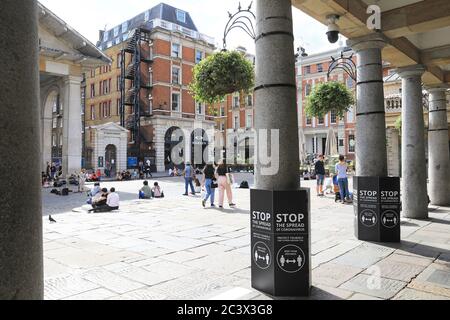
{"points": [[243, 19], [343, 63]]}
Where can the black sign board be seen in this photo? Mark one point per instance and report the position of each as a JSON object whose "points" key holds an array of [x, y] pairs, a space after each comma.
{"points": [[281, 242], [377, 208]]}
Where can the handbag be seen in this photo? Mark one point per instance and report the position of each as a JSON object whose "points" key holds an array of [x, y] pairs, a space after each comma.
{"points": [[214, 184]]}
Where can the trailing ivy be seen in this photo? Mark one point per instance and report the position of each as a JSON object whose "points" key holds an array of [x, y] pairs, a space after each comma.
{"points": [[220, 74], [327, 97]]}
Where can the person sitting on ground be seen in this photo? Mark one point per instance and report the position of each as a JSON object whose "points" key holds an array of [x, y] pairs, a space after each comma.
{"points": [[95, 190], [145, 192], [157, 191], [99, 200], [113, 200]]}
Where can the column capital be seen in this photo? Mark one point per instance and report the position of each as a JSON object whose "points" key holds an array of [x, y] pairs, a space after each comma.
{"points": [[414, 70], [442, 87], [371, 41]]}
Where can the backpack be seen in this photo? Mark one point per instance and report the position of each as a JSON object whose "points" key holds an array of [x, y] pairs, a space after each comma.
{"points": [[244, 185]]}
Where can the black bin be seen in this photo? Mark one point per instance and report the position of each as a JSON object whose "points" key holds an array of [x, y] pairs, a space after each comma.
{"points": [[377, 207], [281, 242]]}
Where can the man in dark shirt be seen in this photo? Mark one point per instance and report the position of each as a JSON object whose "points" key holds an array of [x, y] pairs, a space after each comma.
{"points": [[320, 174]]}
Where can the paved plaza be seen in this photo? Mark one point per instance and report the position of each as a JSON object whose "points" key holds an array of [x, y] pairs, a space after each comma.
{"points": [[172, 248]]}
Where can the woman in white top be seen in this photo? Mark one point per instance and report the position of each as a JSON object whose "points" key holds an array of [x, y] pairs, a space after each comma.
{"points": [[341, 171]]}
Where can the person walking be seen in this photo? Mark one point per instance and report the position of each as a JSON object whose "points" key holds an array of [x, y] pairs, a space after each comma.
{"points": [[319, 168], [209, 181], [148, 169], [188, 175], [224, 183], [341, 171]]}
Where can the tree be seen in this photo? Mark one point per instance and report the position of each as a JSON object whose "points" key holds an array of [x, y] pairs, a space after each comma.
{"points": [[220, 74], [327, 97]]}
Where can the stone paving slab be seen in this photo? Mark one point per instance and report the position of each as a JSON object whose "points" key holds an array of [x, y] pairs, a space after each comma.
{"points": [[111, 281], [395, 270], [175, 249], [333, 274], [411, 294], [66, 286], [365, 284]]}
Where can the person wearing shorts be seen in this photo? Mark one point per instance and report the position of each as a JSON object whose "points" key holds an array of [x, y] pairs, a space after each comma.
{"points": [[320, 175]]}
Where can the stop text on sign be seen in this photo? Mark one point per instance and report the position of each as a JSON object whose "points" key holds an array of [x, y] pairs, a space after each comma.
{"points": [[390, 194], [261, 216], [290, 218]]}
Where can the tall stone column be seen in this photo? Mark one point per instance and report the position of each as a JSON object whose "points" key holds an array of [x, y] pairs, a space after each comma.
{"points": [[21, 263], [72, 127], [414, 170], [438, 159], [275, 92], [160, 134], [371, 155]]}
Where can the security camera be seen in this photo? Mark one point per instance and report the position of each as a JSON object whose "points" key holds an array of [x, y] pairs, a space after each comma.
{"points": [[333, 28]]}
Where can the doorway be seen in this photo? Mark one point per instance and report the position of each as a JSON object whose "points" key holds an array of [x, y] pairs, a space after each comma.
{"points": [[111, 161]]}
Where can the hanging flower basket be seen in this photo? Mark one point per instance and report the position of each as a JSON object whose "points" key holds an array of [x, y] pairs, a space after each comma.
{"points": [[329, 97], [220, 74]]}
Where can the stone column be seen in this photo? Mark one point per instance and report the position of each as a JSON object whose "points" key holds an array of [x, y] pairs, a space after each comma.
{"points": [[21, 263], [438, 162], [275, 92], [393, 149], [414, 170], [72, 127], [160, 134], [371, 155]]}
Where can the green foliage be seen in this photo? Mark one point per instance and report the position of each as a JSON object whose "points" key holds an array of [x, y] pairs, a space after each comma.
{"points": [[398, 124], [220, 74], [327, 97]]}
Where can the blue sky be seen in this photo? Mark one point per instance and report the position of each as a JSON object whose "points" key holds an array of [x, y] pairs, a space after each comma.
{"points": [[210, 16]]}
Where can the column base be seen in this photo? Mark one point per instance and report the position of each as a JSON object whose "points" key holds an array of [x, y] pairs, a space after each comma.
{"points": [[281, 243], [377, 209]]}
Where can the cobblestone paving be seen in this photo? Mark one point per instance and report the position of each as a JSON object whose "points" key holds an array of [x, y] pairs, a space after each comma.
{"points": [[174, 249]]}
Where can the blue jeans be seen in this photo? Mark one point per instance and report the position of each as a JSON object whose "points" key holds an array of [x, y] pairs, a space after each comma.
{"points": [[189, 182], [210, 192], [343, 188]]}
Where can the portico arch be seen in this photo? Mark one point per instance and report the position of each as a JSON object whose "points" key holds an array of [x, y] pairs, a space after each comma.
{"points": [[50, 110]]}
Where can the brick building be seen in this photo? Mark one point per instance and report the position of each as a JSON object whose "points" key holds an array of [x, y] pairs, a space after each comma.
{"points": [[145, 90], [311, 71]]}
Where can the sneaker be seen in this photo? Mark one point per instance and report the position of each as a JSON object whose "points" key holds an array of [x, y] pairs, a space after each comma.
{"points": [[221, 207], [232, 205], [185, 194], [204, 203], [213, 206], [193, 193]]}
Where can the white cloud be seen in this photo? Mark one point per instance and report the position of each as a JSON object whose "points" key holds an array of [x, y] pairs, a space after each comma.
{"points": [[210, 17]]}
